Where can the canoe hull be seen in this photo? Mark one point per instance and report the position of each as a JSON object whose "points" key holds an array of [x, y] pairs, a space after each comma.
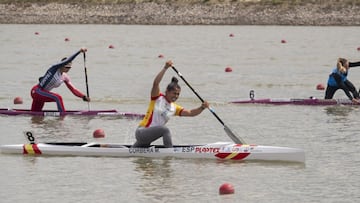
{"points": [[308, 101], [27, 112], [220, 151]]}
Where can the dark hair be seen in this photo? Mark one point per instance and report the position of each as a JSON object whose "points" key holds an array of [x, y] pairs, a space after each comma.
{"points": [[173, 84], [68, 65], [343, 61]]}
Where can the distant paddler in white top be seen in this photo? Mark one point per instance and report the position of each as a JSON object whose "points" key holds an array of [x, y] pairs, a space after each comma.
{"points": [[338, 80], [161, 107], [53, 78]]}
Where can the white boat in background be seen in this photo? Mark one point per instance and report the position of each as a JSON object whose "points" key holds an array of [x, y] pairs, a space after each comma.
{"points": [[218, 150], [55, 113], [310, 101]]}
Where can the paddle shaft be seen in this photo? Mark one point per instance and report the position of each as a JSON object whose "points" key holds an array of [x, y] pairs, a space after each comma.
{"points": [[226, 128], [86, 80]]}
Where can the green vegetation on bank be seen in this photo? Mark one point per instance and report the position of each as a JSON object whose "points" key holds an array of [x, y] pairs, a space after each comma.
{"points": [[266, 2]]}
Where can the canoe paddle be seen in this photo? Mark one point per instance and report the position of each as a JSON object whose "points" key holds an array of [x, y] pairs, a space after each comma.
{"points": [[228, 131], [86, 80]]}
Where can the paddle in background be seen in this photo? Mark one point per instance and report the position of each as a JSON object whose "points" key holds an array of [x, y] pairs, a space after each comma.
{"points": [[228, 131], [86, 80]]}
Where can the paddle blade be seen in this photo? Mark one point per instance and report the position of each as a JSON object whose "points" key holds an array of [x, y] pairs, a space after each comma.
{"points": [[233, 136]]}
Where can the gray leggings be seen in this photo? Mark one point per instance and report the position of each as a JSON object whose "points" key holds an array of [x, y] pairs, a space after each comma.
{"points": [[145, 136]]}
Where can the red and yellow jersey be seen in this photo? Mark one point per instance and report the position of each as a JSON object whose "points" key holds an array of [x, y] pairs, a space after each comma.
{"points": [[159, 112]]}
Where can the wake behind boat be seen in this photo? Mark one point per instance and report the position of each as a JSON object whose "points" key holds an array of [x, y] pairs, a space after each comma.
{"points": [[111, 112], [217, 151]]}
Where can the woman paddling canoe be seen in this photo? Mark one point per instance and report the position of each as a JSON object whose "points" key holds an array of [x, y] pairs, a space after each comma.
{"points": [[338, 80], [53, 78], [161, 107]]}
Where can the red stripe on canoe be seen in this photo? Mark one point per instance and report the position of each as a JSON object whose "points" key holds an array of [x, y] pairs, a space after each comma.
{"points": [[36, 149], [238, 156]]}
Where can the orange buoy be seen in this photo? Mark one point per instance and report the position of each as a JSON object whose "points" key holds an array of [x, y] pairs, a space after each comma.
{"points": [[228, 69], [18, 100], [283, 41], [226, 188], [111, 46], [99, 133], [320, 87]]}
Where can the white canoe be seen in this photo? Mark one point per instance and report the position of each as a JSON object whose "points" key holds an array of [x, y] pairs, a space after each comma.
{"points": [[310, 101], [218, 150], [55, 113], [293, 101]]}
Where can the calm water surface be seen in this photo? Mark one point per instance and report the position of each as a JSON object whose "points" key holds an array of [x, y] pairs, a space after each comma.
{"points": [[120, 78]]}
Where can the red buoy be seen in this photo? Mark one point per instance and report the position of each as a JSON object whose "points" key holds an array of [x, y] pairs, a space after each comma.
{"points": [[358, 48], [66, 39], [320, 87], [99, 133], [18, 100], [226, 188], [111, 46], [231, 35], [37, 33], [228, 69], [283, 41], [161, 56]]}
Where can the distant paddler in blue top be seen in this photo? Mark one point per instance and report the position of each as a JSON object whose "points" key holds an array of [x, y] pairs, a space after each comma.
{"points": [[338, 80], [53, 78]]}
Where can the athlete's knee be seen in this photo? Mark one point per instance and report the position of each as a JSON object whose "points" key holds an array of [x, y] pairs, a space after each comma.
{"points": [[165, 130], [59, 97]]}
